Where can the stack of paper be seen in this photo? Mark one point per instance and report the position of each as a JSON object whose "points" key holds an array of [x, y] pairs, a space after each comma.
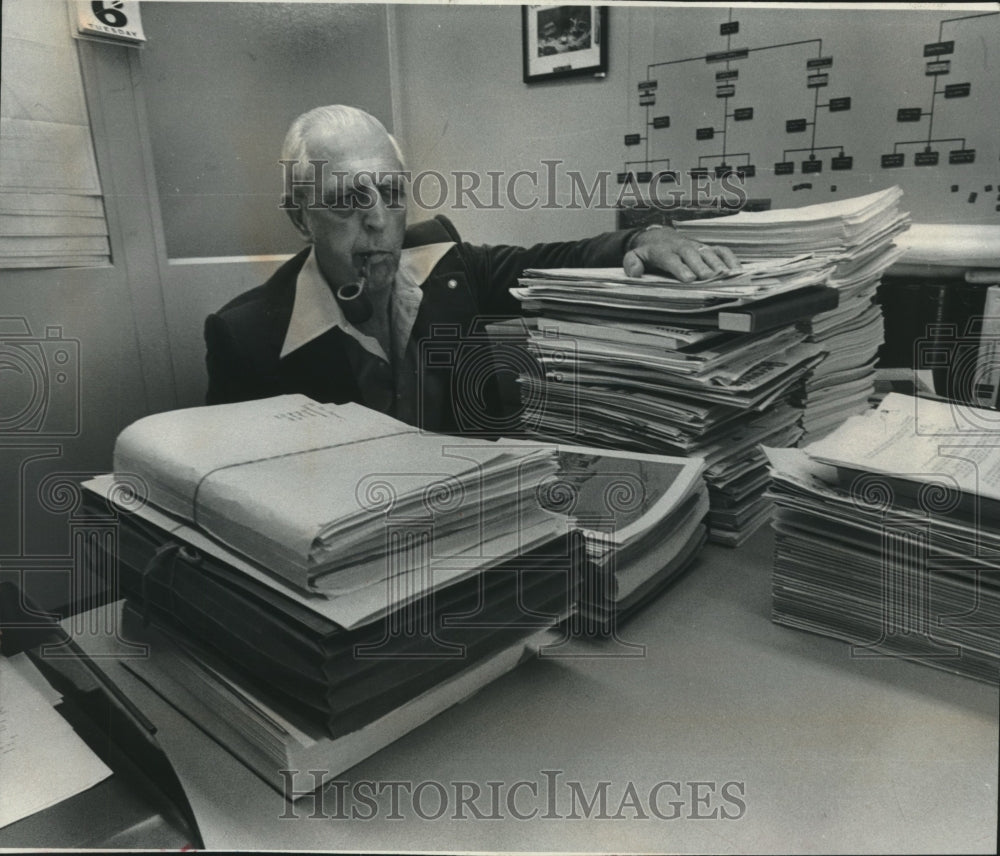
{"points": [[313, 491], [857, 236], [643, 522], [648, 364], [888, 535], [846, 228], [852, 335], [340, 678], [337, 564], [273, 739], [599, 293], [715, 368], [716, 398], [317, 579]]}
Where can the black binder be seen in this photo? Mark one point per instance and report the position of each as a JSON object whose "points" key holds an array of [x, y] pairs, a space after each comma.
{"points": [[342, 679]]}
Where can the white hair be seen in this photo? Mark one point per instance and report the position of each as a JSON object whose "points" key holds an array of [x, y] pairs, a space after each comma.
{"points": [[333, 119]]}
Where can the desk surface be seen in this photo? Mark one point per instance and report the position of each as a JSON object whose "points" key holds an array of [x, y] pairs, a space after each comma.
{"points": [[825, 752]]}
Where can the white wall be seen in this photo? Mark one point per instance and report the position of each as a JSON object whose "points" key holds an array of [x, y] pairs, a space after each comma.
{"points": [[464, 107], [222, 82], [464, 104]]}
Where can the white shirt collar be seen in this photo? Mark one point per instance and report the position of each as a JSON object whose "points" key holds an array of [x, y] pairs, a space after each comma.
{"points": [[316, 311]]}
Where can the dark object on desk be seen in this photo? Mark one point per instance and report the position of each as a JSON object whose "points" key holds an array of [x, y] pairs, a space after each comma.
{"points": [[143, 804], [909, 306], [935, 325]]}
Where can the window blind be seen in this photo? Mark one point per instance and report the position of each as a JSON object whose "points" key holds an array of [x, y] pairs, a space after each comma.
{"points": [[51, 208]]}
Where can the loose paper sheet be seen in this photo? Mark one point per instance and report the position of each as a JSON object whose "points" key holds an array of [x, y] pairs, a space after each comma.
{"points": [[914, 438], [42, 760]]}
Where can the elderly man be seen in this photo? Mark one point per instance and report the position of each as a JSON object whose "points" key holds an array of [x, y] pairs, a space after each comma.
{"points": [[300, 332]]}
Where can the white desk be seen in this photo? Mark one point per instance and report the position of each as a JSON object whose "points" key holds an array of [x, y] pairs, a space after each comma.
{"points": [[836, 754]]}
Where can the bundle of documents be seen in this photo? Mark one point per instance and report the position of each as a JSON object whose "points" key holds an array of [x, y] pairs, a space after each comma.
{"points": [[857, 236], [316, 580], [340, 661], [715, 368], [852, 335], [842, 230], [660, 366], [285, 748], [673, 391], [643, 522], [888, 535], [336, 566], [312, 491]]}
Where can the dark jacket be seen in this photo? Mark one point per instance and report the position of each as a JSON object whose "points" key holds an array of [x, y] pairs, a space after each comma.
{"points": [[244, 338]]}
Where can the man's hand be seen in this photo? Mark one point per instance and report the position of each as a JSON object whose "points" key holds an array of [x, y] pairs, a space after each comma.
{"points": [[665, 250]]}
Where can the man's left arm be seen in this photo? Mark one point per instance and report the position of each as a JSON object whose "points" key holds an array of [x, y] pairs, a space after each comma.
{"points": [[496, 269]]}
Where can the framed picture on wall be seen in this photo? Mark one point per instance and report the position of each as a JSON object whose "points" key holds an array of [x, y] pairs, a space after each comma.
{"points": [[562, 41]]}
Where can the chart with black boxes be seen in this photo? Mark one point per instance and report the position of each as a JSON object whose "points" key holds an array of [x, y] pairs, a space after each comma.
{"points": [[787, 110]]}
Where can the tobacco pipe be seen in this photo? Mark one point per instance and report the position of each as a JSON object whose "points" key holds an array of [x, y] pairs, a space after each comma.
{"points": [[354, 300]]}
